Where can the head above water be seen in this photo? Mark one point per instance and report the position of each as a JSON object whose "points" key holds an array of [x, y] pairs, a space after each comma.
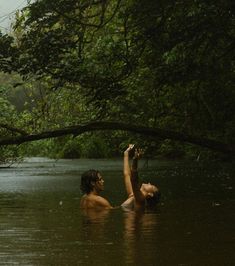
{"points": [[152, 194], [91, 180]]}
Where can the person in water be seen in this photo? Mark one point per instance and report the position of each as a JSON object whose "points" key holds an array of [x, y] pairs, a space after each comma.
{"points": [[139, 195], [92, 183]]}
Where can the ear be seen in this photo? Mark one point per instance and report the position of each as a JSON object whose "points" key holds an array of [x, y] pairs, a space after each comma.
{"points": [[93, 183]]}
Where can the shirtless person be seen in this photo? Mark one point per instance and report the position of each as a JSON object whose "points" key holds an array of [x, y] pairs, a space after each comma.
{"points": [[139, 195], [92, 184]]}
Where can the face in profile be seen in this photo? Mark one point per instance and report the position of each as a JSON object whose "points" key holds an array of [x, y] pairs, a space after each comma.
{"points": [[99, 183]]}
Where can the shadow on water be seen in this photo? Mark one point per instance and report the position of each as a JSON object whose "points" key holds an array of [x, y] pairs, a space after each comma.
{"points": [[41, 223]]}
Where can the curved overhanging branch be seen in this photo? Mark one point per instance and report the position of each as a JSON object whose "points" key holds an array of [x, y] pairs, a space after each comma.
{"points": [[94, 126], [12, 129]]}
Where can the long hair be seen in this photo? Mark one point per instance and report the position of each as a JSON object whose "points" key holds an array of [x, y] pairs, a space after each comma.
{"points": [[152, 201], [86, 180]]}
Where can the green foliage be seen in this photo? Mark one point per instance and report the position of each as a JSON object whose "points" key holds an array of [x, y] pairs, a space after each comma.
{"points": [[167, 64], [85, 146], [94, 146], [41, 148], [9, 155], [171, 150], [71, 150]]}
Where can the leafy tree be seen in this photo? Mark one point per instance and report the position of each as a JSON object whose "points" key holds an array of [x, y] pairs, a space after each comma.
{"points": [[159, 64]]}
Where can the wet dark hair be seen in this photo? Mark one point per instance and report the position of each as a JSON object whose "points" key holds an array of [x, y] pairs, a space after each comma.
{"points": [[86, 180], [153, 200]]}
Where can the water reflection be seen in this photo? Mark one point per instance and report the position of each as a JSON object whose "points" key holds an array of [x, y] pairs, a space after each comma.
{"points": [[93, 228], [41, 222], [93, 216], [140, 237], [123, 237]]}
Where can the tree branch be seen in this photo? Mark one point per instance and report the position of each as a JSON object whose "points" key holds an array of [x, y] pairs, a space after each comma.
{"points": [[13, 129], [152, 132]]}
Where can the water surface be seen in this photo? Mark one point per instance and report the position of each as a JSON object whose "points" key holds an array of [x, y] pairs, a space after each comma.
{"points": [[41, 223]]}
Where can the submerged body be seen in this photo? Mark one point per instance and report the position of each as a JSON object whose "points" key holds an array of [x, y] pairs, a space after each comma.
{"points": [[129, 203]]}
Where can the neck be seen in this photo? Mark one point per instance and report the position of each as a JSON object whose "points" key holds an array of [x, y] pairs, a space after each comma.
{"points": [[94, 192], [143, 192]]}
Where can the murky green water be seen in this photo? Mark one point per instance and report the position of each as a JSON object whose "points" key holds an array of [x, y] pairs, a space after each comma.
{"points": [[41, 223]]}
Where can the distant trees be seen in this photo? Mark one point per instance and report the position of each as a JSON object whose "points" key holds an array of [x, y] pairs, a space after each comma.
{"points": [[159, 64]]}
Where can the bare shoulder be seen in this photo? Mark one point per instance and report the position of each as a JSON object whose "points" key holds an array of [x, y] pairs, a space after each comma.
{"points": [[102, 202], [94, 201]]}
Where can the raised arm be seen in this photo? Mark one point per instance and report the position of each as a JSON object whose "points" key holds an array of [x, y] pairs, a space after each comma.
{"points": [[139, 197], [127, 170]]}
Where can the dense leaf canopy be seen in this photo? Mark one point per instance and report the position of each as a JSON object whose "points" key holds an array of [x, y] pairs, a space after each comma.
{"points": [[164, 64]]}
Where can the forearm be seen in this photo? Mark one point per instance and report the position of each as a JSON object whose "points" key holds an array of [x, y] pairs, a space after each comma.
{"points": [[134, 171], [139, 198], [126, 166], [134, 166], [127, 170]]}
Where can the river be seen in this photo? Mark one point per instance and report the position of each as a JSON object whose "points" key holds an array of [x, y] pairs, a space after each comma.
{"points": [[41, 223]]}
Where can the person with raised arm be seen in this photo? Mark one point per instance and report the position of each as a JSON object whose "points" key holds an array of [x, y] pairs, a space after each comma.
{"points": [[139, 195]]}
